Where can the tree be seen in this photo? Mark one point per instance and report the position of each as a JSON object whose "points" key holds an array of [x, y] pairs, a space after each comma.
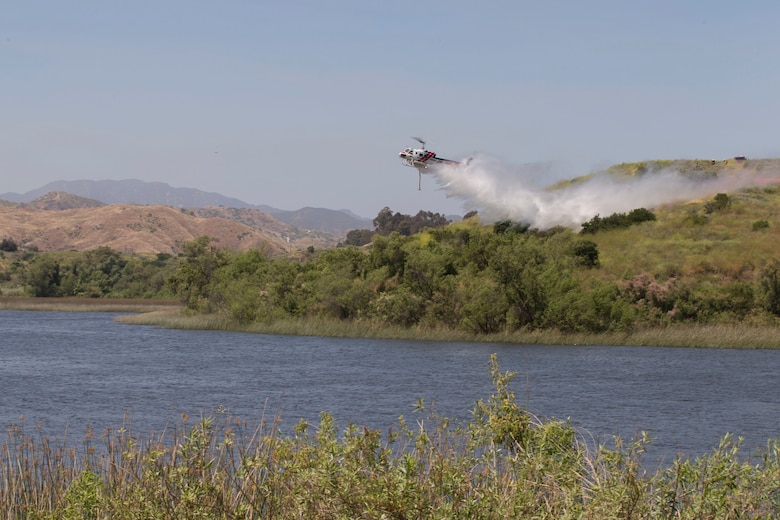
{"points": [[387, 222], [516, 265], [388, 252], [427, 219], [8, 245], [425, 267], [383, 222], [482, 308], [43, 277], [510, 226], [193, 278], [95, 273], [143, 277], [359, 237], [587, 253], [400, 306]]}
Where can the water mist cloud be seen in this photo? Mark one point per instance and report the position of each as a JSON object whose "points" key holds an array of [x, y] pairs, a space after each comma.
{"points": [[499, 191]]}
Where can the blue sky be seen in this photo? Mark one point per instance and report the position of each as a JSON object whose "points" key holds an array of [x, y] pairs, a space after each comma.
{"points": [[305, 103]]}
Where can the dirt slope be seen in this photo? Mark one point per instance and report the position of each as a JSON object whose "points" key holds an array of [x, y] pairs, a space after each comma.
{"points": [[128, 228]]}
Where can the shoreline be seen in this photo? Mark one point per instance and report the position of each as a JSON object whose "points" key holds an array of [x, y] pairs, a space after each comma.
{"points": [[168, 314], [679, 336], [74, 304]]}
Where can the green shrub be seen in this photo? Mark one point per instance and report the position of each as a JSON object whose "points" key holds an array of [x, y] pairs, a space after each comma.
{"points": [[9, 245], [758, 225], [770, 287], [695, 219], [587, 253], [719, 203], [617, 221]]}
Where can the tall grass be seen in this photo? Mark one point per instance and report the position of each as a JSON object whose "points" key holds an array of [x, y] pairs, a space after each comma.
{"points": [[74, 304], [503, 464], [678, 335]]}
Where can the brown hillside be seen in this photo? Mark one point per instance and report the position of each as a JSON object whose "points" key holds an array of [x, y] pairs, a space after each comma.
{"points": [[59, 200], [128, 228], [287, 233]]}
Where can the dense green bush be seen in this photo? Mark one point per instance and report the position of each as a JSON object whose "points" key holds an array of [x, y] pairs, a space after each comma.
{"points": [[587, 253], [359, 237], [9, 245], [719, 203], [770, 287], [758, 225], [43, 277], [102, 272], [481, 280], [430, 273], [387, 222], [617, 221]]}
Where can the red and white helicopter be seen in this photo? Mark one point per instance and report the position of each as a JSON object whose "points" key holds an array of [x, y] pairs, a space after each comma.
{"points": [[423, 160]]}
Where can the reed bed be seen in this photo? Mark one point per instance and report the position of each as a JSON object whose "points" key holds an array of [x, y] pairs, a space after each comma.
{"points": [[176, 319], [680, 335], [73, 304]]}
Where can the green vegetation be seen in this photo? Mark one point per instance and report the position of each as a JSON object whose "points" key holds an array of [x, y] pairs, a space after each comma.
{"points": [[681, 335], [693, 168], [387, 222], [102, 272], [617, 221], [637, 271], [460, 277], [721, 202], [8, 244], [758, 225], [504, 463], [692, 267]]}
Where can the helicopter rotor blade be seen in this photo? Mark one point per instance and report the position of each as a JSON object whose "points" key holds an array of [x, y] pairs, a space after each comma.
{"points": [[419, 140]]}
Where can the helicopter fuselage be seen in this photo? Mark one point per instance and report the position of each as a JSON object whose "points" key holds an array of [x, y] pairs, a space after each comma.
{"points": [[421, 158]]}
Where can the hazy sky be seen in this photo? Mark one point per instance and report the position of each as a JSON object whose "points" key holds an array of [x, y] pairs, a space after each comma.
{"points": [[307, 103]]}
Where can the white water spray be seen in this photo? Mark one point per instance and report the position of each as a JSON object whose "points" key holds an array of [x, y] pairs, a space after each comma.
{"points": [[498, 192]]}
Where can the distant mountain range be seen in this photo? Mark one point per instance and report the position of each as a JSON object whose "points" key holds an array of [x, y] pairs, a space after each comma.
{"points": [[60, 221], [133, 191]]}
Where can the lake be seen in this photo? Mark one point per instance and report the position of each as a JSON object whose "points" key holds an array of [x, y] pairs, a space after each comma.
{"points": [[66, 370]]}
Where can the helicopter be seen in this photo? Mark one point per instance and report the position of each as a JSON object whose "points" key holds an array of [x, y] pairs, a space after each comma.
{"points": [[423, 160]]}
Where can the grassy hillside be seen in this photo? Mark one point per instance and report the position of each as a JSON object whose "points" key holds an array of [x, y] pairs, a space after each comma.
{"points": [[692, 168], [693, 240], [702, 242]]}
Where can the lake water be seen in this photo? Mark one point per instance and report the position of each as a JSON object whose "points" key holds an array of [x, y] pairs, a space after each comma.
{"points": [[67, 370]]}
